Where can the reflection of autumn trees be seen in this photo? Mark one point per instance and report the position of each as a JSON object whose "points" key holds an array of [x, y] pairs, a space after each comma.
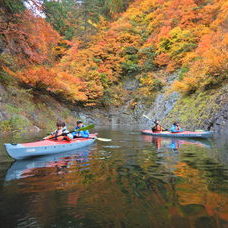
{"points": [[193, 190], [109, 191], [118, 190], [202, 182], [199, 186]]}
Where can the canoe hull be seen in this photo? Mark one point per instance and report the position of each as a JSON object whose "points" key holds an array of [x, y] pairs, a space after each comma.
{"points": [[184, 134], [45, 147]]}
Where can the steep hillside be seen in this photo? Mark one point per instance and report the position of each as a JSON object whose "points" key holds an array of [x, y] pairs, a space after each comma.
{"points": [[186, 36], [149, 41], [22, 110], [157, 48]]}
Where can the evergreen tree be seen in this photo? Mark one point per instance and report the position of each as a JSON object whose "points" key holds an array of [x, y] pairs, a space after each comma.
{"points": [[79, 17]]}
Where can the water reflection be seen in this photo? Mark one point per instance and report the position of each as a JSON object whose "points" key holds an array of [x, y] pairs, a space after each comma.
{"points": [[59, 163], [135, 181], [175, 143], [199, 180]]}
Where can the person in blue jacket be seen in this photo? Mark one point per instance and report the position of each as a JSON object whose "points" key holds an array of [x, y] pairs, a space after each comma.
{"points": [[80, 134], [176, 128]]}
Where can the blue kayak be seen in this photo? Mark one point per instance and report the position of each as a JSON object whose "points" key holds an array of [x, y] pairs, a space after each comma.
{"points": [[46, 147]]}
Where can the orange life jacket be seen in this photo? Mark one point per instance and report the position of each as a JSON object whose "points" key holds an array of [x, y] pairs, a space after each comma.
{"points": [[157, 127]]}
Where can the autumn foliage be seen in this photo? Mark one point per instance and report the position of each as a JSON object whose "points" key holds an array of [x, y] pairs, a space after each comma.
{"points": [[209, 64], [31, 39], [188, 36], [154, 35]]}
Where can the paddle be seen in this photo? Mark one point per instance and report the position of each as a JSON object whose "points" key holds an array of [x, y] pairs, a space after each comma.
{"points": [[146, 117], [77, 130], [103, 139], [151, 119], [92, 126], [84, 129], [99, 139]]}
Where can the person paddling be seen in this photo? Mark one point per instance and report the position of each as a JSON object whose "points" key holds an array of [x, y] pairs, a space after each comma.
{"points": [[80, 134], [61, 129], [176, 128], [157, 127]]}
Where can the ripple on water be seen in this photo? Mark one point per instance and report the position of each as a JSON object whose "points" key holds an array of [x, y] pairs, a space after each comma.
{"points": [[112, 147]]}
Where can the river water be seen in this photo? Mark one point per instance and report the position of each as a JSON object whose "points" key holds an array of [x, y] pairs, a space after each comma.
{"points": [[133, 181]]}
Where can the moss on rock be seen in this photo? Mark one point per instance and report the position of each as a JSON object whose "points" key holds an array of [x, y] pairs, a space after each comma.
{"points": [[194, 110]]}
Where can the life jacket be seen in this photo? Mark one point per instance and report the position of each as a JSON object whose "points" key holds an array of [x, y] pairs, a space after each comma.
{"points": [[175, 128], [157, 127], [83, 134], [56, 133]]}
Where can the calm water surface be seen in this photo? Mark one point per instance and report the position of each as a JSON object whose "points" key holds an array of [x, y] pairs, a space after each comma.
{"points": [[133, 181]]}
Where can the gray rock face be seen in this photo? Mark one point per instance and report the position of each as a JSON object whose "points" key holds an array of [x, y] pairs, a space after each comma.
{"points": [[98, 116], [162, 106], [214, 116], [1, 116], [131, 84], [219, 122], [34, 129], [171, 107]]}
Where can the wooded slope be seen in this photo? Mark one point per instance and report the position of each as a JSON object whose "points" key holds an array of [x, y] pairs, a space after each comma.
{"points": [[189, 37]]}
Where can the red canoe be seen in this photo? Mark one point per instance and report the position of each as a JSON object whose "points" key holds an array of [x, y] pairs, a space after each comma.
{"points": [[183, 134]]}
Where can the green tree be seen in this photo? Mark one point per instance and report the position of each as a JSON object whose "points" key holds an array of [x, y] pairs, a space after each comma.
{"points": [[79, 17], [12, 6], [60, 15]]}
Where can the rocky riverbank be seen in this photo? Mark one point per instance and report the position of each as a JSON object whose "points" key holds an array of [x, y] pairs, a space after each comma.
{"points": [[203, 110], [21, 110]]}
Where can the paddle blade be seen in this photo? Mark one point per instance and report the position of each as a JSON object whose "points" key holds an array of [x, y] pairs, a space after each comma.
{"points": [[85, 128], [146, 117], [104, 139]]}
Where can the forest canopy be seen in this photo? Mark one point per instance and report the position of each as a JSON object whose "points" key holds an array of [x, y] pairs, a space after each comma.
{"points": [[84, 50]]}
